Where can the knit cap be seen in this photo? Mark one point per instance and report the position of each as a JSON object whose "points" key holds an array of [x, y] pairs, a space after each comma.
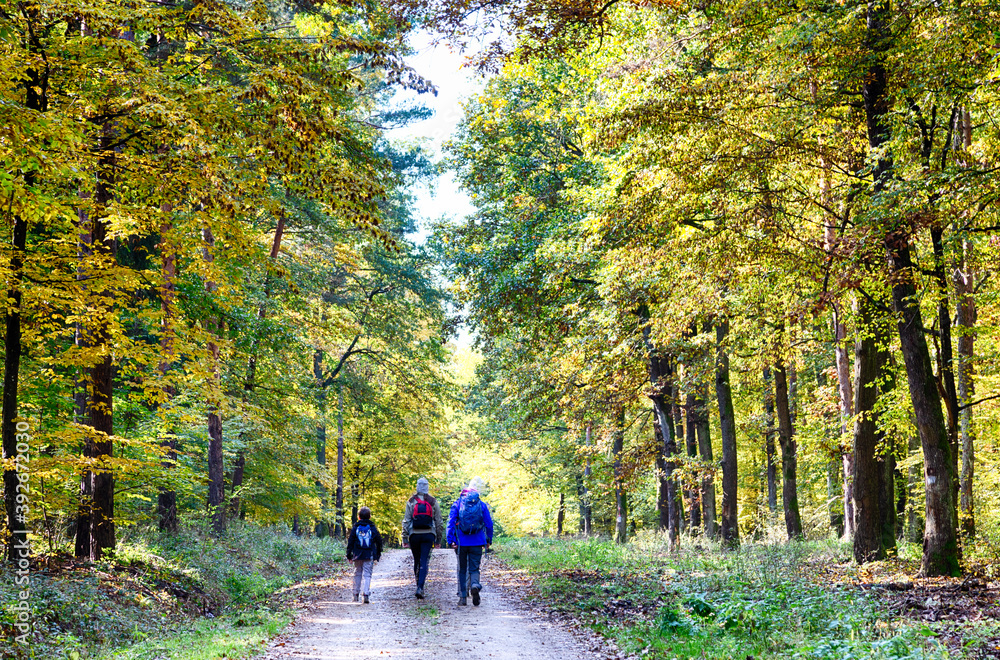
{"points": [[423, 486]]}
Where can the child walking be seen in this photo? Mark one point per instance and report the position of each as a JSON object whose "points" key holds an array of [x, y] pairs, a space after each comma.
{"points": [[364, 548]]}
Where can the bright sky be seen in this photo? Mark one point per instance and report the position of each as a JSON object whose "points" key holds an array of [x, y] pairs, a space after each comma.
{"points": [[443, 67]]}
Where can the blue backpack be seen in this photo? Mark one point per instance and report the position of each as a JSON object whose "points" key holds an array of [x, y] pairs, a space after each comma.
{"points": [[364, 534], [470, 514]]}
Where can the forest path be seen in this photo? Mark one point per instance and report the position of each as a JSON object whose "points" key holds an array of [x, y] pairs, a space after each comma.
{"points": [[397, 625]]}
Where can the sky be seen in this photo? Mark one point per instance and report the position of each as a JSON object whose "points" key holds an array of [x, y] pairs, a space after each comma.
{"points": [[443, 67]]}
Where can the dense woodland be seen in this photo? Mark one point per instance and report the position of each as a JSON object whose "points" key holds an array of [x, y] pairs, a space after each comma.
{"points": [[210, 289], [732, 269], [746, 248]]}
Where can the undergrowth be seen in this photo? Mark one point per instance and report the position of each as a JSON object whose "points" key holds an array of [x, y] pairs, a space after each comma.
{"points": [[762, 601], [186, 596]]}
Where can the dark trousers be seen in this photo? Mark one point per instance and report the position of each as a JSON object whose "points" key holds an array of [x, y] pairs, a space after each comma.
{"points": [[469, 558], [420, 546]]}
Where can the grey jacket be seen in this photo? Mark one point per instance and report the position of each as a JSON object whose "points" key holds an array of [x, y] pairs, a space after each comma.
{"points": [[437, 526]]}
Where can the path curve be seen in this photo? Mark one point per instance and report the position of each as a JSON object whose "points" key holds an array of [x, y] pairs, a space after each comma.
{"points": [[397, 625]]}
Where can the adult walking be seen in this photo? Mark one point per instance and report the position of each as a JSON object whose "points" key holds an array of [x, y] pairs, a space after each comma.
{"points": [[470, 531], [422, 530]]}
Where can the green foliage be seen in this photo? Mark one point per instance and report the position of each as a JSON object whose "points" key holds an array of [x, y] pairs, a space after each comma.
{"points": [[256, 257], [191, 593], [708, 164], [763, 601]]}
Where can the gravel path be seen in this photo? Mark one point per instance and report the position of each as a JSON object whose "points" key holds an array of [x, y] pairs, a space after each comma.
{"points": [[397, 625]]}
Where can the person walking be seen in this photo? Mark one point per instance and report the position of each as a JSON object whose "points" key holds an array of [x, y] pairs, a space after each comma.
{"points": [[422, 530], [364, 548], [470, 531]]}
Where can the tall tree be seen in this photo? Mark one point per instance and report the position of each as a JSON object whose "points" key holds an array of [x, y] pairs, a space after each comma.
{"points": [[730, 530], [789, 454]]}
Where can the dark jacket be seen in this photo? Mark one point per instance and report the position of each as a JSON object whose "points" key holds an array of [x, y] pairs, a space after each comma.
{"points": [[354, 548]]}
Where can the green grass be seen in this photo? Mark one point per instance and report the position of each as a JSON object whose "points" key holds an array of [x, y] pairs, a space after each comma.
{"points": [[230, 636], [188, 596], [427, 611], [763, 601]]}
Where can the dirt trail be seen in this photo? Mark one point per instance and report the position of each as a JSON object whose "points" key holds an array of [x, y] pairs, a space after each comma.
{"points": [[397, 625]]}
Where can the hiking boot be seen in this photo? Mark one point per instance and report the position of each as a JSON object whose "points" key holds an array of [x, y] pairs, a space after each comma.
{"points": [[366, 599], [475, 595], [461, 601], [355, 598], [420, 593]]}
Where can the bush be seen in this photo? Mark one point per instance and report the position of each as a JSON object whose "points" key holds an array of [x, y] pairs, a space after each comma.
{"points": [[163, 587]]}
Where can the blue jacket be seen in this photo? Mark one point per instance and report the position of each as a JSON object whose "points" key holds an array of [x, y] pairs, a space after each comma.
{"points": [[457, 537]]}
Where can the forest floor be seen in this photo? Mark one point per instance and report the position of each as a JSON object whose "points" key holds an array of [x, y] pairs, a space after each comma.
{"points": [[962, 612], [764, 601], [397, 625]]}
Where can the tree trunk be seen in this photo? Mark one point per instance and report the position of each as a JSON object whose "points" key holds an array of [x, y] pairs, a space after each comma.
{"points": [[945, 355], [322, 525], [914, 521], [691, 440], [940, 552], [80, 404], [17, 530], [662, 481], [674, 492], [769, 454], [661, 383], [940, 556], [868, 474], [789, 450], [561, 515], [166, 500], [887, 502], [845, 392], [902, 501], [340, 529], [887, 455], [239, 470], [965, 322], [100, 376], [216, 469], [356, 488], [581, 490], [621, 499], [727, 423], [36, 86], [833, 489], [849, 513], [102, 516], [703, 429], [834, 517]]}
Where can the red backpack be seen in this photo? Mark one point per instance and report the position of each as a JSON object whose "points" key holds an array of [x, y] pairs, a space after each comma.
{"points": [[423, 513]]}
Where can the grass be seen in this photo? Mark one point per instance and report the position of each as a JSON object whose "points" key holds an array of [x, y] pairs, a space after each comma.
{"points": [[186, 596], [427, 611], [762, 601], [230, 636]]}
